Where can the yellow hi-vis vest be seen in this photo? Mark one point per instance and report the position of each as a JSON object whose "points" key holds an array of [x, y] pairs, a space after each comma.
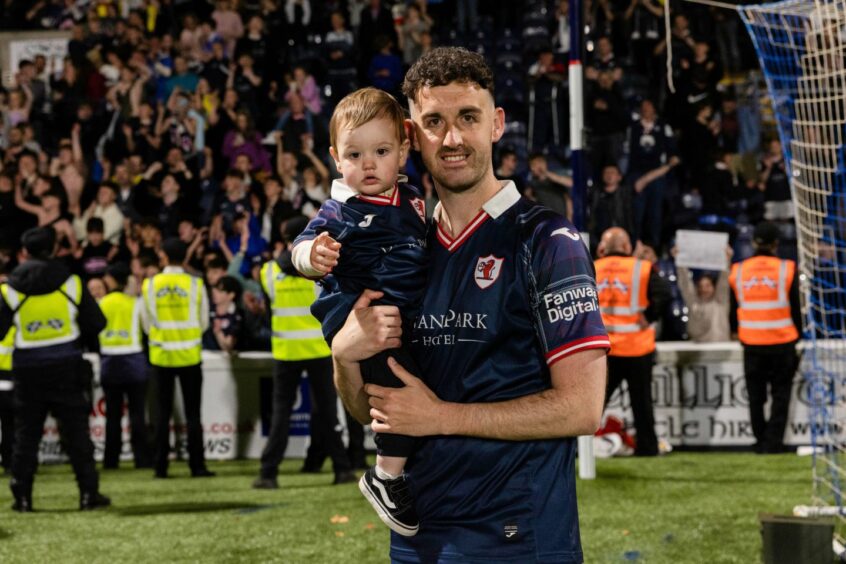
{"points": [[122, 334], [46, 320], [296, 334], [7, 347], [173, 301]]}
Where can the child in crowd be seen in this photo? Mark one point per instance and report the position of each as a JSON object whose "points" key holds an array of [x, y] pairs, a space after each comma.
{"points": [[381, 223]]}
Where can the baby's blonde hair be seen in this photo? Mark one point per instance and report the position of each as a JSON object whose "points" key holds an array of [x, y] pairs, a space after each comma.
{"points": [[363, 106]]}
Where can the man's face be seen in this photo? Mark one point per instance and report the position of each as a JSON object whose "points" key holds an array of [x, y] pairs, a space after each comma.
{"points": [[243, 164], [15, 137], [610, 175], [455, 127], [27, 166], [187, 231], [174, 157], [95, 238], [122, 175], [272, 189], [509, 163], [647, 110], [213, 276], [538, 167]]}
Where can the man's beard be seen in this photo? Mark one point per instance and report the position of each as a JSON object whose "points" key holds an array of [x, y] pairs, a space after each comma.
{"points": [[477, 174]]}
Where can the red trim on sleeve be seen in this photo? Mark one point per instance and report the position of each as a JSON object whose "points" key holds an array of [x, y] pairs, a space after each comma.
{"points": [[598, 342]]}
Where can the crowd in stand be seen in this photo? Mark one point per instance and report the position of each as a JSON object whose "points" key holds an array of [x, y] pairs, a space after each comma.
{"points": [[208, 121]]}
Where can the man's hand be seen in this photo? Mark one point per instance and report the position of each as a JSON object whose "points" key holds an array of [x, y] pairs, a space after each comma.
{"points": [[325, 253], [368, 330], [411, 410]]}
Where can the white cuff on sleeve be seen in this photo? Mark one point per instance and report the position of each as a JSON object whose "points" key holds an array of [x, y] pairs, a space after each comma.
{"points": [[301, 257]]}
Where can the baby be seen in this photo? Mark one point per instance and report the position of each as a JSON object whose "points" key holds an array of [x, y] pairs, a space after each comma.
{"points": [[381, 223]]}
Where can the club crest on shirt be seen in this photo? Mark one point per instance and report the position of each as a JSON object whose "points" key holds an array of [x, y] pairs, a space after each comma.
{"points": [[487, 271], [420, 207]]}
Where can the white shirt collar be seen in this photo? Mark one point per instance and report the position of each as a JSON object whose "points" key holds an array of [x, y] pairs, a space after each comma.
{"points": [[341, 192], [173, 270], [498, 204]]}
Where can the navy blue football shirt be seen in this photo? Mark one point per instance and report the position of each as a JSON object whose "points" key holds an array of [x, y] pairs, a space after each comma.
{"points": [[383, 247], [511, 295]]}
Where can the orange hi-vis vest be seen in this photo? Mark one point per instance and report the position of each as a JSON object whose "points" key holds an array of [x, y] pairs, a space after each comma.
{"points": [[622, 283], [762, 287]]}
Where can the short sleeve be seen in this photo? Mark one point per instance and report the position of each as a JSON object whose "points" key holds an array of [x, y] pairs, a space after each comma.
{"points": [[329, 218], [563, 280]]}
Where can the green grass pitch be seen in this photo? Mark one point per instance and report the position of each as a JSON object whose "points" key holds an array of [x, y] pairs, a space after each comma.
{"points": [[685, 507]]}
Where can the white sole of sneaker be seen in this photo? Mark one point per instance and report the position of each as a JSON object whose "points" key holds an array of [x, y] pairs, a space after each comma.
{"points": [[386, 518]]}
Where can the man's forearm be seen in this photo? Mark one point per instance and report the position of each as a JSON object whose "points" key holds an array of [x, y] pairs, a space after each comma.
{"points": [[572, 407], [350, 388], [545, 415]]}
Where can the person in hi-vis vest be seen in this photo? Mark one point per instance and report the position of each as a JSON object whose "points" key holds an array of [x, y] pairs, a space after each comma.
{"points": [[123, 369], [174, 316], [298, 346], [766, 315], [53, 316], [7, 396], [631, 297]]}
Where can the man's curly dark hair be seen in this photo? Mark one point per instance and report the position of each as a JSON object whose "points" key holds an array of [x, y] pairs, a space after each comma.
{"points": [[444, 65]]}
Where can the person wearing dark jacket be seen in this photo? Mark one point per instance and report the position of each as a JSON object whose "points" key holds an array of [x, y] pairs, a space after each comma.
{"points": [[54, 317], [767, 318]]}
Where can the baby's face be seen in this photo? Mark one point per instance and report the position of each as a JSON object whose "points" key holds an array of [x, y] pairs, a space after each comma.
{"points": [[369, 157]]}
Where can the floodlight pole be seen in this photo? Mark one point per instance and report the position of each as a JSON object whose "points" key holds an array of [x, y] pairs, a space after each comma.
{"points": [[587, 462], [577, 113]]}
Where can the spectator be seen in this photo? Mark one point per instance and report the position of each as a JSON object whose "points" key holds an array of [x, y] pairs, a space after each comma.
{"points": [[96, 252], [376, 25], [607, 118], [561, 32], [699, 143], [650, 144], [385, 71], [298, 18], [246, 81], [229, 25], [294, 123], [546, 77], [340, 53], [275, 211], [255, 43], [508, 169], [644, 18], [304, 84], [182, 77], [611, 205], [244, 241], [410, 40], [549, 188], [245, 140], [773, 181], [49, 215], [707, 299], [97, 288], [217, 67], [106, 209], [226, 320]]}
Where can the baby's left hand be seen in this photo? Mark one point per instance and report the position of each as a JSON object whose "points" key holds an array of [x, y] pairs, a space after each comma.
{"points": [[325, 253]]}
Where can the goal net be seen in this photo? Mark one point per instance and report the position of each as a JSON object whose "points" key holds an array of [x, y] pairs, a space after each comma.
{"points": [[801, 45]]}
